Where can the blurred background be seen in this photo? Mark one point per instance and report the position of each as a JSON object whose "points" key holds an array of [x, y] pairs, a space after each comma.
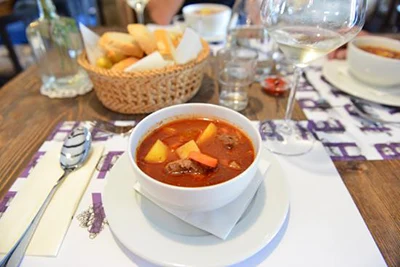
{"points": [[15, 15]]}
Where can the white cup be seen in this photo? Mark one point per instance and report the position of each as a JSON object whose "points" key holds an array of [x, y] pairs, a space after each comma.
{"points": [[373, 69], [207, 25]]}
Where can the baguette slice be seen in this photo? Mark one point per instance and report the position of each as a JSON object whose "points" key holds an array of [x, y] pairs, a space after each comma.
{"points": [[143, 37], [123, 64], [120, 43], [176, 38], [164, 44]]}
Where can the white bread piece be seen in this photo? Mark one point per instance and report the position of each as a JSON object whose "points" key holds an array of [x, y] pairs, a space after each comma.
{"points": [[143, 37], [189, 47], [123, 64], [164, 44], [123, 43], [150, 62]]}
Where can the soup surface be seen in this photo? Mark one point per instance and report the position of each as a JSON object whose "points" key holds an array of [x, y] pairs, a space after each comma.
{"points": [[195, 152], [207, 11], [381, 51]]}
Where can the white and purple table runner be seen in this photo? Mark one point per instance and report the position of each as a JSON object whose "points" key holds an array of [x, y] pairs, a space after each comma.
{"points": [[89, 241]]}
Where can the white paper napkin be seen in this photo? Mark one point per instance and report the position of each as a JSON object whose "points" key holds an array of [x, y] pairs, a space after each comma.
{"points": [[189, 47], [219, 222], [56, 220], [150, 62], [90, 40]]}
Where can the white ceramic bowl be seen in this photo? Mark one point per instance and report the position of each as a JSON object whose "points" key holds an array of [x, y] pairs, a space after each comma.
{"points": [[210, 25], [194, 198], [370, 68]]}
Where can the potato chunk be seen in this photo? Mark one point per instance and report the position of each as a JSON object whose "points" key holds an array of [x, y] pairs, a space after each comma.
{"points": [[158, 153], [208, 134], [184, 150], [234, 165]]}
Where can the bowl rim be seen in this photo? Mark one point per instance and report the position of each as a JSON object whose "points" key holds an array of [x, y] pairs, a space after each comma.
{"points": [[385, 39], [257, 154], [185, 11]]}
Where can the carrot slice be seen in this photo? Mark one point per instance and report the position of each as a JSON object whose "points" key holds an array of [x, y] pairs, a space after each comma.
{"points": [[203, 159]]}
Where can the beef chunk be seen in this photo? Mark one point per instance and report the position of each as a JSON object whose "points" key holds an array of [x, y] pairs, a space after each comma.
{"points": [[228, 140], [182, 166]]}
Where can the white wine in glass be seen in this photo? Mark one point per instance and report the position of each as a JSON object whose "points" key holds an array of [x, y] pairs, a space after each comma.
{"points": [[138, 6], [301, 45], [306, 30]]}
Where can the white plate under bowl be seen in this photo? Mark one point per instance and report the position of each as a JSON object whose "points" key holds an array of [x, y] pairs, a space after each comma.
{"points": [[336, 72], [159, 237]]}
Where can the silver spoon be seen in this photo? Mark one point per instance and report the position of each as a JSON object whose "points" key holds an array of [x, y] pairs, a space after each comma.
{"points": [[358, 105], [360, 109], [74, 153]]}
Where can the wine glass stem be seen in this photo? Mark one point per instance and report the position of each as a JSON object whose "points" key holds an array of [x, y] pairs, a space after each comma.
{"points": [[289, 108], [139, 9]]}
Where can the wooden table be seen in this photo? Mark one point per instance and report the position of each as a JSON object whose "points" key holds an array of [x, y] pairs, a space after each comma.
{"points": [[27, 118]]}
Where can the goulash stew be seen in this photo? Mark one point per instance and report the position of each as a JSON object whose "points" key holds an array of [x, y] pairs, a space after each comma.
{"points": [[207, 11], [381, 51], [195, 152]]}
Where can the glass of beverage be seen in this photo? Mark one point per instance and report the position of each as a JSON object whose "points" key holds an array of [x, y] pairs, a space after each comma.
{"points": [[138, 6], [246, 30], [56, 43], [236, 69], [306, 30]]}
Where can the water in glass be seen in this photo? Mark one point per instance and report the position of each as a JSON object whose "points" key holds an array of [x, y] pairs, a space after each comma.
{"points": [[234, 82], [56, 44]]}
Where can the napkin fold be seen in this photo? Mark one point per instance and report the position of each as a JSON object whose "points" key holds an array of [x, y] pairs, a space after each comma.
{"points": [[150, 62], [90, 40], [54, 224], [219, 222], [189, 47]]}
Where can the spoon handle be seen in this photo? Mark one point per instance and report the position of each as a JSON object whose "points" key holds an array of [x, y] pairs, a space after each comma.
{"points": [[16, 254]]}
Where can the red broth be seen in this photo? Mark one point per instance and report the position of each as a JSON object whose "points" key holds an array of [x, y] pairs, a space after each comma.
{"points": [[381, 51], [232, 159], [207, 11]]}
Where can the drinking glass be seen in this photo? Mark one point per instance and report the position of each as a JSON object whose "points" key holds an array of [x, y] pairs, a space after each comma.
{"points": [[306, 30], [236, 69], [138, 6], [246, 30]]}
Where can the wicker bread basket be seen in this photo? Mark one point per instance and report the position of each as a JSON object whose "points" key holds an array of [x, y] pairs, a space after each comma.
{"points": [[147, 91]]}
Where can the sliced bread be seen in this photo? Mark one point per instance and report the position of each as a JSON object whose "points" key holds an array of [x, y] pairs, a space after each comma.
{"points": [[164, 44], [121, 43], [143, 37], [123, 64]]}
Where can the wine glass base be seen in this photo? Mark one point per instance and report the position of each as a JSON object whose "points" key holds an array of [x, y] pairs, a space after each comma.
{"points": [[286, 138]]}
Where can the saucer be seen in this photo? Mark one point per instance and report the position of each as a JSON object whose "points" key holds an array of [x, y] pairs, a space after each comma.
{"points": [[336, 72], [215, 39], [161, 238]]}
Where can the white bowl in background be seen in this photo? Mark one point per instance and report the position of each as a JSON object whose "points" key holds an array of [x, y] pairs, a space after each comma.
{"points": [[210, 25], [194, 198], [370, 68]]}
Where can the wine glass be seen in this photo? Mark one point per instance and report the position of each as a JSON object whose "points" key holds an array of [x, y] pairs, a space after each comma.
{"points": [[306, 30], [138, 6]]}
